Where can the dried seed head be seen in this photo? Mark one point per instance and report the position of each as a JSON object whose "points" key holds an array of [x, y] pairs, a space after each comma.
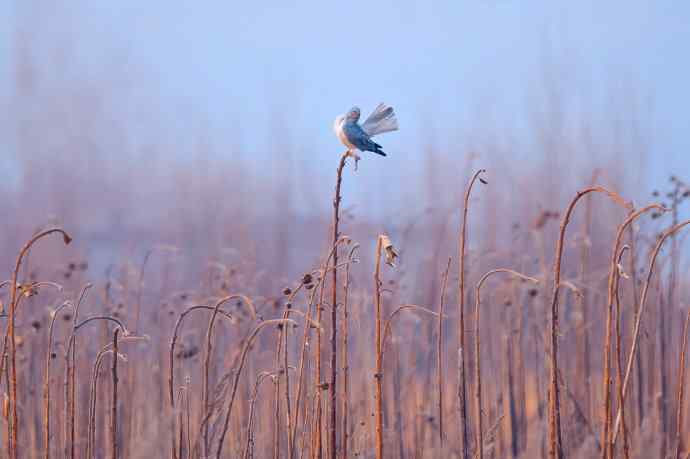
{"points": [[287, 291], [391, 252], [307, 279]]}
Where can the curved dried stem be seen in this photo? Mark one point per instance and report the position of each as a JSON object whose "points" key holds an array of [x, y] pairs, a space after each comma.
{"points": [[555, 440], [238, 373], [46, 383], [252, 403], [173, 341], [207, 357], [681, 386], [638, 320], [477, 366], [107, 349], [462, 383], [606, 439], [619, 372], [13, 424]]}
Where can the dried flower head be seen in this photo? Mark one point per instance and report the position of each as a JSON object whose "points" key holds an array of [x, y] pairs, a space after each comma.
{"points": [[391, 252]]}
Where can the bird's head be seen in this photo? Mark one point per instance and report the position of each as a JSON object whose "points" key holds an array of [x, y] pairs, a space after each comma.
{"points": [[353, 114]]}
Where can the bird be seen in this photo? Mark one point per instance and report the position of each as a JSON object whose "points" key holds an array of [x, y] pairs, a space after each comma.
{"points": [[358, 138]]}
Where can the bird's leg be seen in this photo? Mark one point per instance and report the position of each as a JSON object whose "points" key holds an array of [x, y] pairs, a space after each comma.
{"points": [[354, 156]]}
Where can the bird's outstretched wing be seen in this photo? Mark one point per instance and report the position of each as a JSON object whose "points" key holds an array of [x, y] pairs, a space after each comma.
{"points": [[381, 120], [360, 139]]}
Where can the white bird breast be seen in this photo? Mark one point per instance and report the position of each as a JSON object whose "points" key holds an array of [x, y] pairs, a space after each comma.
{"points": [[338, 128]]}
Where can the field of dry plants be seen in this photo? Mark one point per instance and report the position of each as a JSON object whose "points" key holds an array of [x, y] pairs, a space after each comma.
{"points": [[168, 292], [567, 342]]}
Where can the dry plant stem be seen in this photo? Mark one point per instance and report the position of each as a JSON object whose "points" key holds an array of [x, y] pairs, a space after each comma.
{"points": [[300, 379], [462, 383], [46, 384], [379, 353], [333, 408], [638, 320], [107, 349], [477, 367], [283, 344], [619, 372], [439, 352], [207, 360], [681, 387], [303, 348], [71, 371], [238, 373], [13, 426], [606, 439], [113, 408], [252, 403], [173, 341], [555, 440], [388, 325], [344, 436], [171, 353]]}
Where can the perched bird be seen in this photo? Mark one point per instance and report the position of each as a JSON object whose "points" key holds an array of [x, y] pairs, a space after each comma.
{"points": [[356, 137]]}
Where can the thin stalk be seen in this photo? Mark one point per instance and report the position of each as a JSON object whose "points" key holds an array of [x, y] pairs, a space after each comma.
{"points": [[439, 352], [681, 386], [462, 382], [205, 406], [248, 448], [638, 320], [113, 408], [13, 425], [555, 439], [46, 384], [606, 439], [344, 436], [333, 394], [379, 354], [477, 359], [619, 372], [238, 373]]}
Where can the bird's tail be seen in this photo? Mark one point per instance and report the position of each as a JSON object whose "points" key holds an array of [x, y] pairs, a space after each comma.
{"points": [[381, 120]]}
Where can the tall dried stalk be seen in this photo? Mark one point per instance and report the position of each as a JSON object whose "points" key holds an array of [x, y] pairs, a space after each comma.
{"points": [[238, 373], [606, 440], [439, 352], [344, 436], [388, 325], [205, 405], [555, 440], [638, 320], [477, 365], [303, 348], [250, 422], [46, 384], [71, 374], [619, 372], [107, 349], [173, 341], [280, 345], [462, 380], [378, 376], [333, 394], [681, 386], [13, 425], [113, 407]]}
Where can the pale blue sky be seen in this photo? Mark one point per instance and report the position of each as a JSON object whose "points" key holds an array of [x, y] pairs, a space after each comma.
{"points": [[442, 64]]}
